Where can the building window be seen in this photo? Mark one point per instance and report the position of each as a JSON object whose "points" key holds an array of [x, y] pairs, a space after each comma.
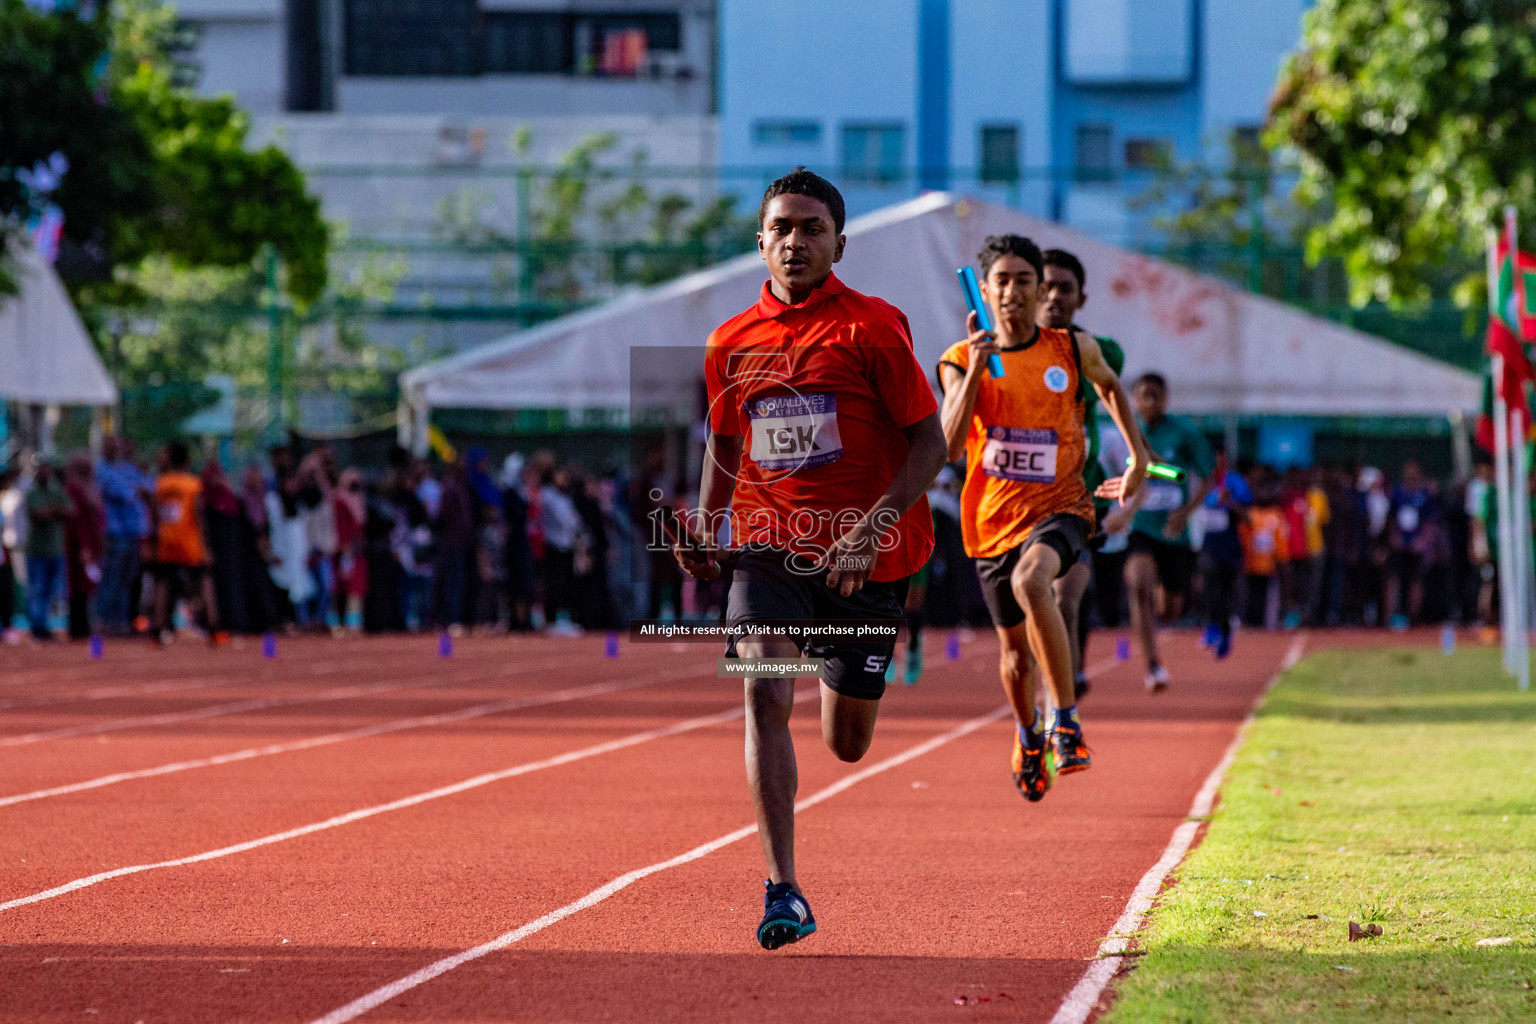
{"points": [[786, 133], [873, 152], [411, 37], [454, 38], [1091, 152], [527, 43], [1148, 154], [1000, 145], [620, 45], [1129, 42]]}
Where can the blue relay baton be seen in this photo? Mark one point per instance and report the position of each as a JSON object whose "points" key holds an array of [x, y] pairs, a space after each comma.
{"points": [[983, 319]]}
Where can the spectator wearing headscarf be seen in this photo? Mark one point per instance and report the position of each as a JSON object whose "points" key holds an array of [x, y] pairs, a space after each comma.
{"points": [[351, 518], [561, 524], [455, 547], [47, 509], [123, 488], [520, 567], [85, 539], [223, 515]]}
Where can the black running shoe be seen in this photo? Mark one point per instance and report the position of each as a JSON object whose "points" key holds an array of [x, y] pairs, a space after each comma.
{"points": [[786, 916], [1030, 772], [1072, 754]]}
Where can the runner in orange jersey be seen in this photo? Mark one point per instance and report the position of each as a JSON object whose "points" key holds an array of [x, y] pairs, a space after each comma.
{"points": [[1026, 512]]}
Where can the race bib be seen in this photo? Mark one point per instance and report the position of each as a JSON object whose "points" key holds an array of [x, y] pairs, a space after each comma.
{"points": [[1215, 520], [1264, 543], [1015, 453], [170, 513], [791, 431], [1162, 497], [1407, 519]]}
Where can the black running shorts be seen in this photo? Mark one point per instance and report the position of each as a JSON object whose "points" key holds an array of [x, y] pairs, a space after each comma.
{"points": [[770, 585], [1064, 532], [1175, 562]]}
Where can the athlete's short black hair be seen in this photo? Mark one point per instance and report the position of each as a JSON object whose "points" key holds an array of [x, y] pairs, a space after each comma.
{"points": [[177, 455], [1066, 261], [801, 182], [1157, 380], [1010, 245]]}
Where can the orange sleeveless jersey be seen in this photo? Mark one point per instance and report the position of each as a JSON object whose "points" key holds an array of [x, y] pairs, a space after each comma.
{"points": [[1025, 449]]}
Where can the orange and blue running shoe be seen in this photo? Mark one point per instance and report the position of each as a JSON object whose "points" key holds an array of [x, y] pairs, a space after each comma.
{"points": [[1031, 773], [1071, 753]]}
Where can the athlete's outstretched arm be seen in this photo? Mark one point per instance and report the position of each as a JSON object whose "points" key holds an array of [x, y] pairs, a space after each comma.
{"points": [[960, 389], [1107, 383], [852, 557]]}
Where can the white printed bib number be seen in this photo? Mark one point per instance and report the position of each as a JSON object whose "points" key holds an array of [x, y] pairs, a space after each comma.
{"points": [[1407, 519], [791, 431], [1015, 453], [170, 513], [1162, 497]]}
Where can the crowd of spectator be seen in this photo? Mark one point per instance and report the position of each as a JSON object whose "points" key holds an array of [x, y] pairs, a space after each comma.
{"points": [[300, 543]]}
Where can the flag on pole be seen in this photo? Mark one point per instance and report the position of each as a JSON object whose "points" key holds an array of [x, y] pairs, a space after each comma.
{"points": [[1511, 322]]}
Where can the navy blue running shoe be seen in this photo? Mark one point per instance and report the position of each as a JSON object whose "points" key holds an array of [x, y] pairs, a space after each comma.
{"points": [[786, 916]]}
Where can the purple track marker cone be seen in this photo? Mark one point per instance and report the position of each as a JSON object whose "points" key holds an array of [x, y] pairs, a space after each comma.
{"points": [[611, 645], [268, 645], [96, 646], [952, 647], [444, 645], [1123, 649]]}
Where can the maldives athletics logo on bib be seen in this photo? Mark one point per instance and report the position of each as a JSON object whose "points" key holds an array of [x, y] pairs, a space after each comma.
{"points": [[1056, 379]]}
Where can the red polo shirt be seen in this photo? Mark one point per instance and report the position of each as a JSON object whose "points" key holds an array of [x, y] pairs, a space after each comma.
{"points": [[820, 391]]}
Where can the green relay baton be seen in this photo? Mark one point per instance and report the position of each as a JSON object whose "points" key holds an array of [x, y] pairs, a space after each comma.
{"points": [[1163, 471]]}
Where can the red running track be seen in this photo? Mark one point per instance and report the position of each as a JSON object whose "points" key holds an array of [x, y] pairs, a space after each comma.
{"points": [[203, 835]]}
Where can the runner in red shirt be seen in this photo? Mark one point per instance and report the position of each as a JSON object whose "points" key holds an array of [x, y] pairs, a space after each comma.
{"points": [[824, 437]]}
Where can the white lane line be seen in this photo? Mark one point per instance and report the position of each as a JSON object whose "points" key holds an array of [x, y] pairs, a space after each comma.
{"points": [[1084, 996], [54, 678], [381, 995], [212, 679], [380, 729], [476, 782], [260, 703], [108, 692], [206, 711]]}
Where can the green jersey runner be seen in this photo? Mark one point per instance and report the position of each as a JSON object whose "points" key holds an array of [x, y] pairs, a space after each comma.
{"points": [[1093, 471]]}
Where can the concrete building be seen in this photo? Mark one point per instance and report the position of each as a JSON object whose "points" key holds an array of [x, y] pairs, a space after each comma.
{"points": [[532, 58], [1061, 107], [392, 106]]}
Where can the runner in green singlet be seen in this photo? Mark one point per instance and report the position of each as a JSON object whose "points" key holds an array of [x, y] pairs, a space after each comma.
{"points": [[1065, 294]]}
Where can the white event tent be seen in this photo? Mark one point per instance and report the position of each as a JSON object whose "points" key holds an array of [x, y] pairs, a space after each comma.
{"points": [[46, 357], [1225, 351]]}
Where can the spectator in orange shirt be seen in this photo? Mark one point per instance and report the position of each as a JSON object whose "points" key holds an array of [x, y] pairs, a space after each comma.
{"points": [[181, 556], [1266, 545], [1306, 513]]}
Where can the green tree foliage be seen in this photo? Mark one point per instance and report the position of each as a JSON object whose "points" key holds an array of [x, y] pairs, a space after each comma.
{"points": [[153, 168], [1414, 121]]}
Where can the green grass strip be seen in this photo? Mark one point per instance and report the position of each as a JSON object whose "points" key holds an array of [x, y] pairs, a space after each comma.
{"points": [[1391, 787]]}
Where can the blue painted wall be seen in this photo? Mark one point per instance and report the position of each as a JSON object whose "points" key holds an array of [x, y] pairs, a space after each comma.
{"points": [[944, 69]]}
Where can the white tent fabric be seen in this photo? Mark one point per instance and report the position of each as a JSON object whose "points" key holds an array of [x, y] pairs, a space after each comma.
{"points": [[46, 358], [1224, 350]]}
